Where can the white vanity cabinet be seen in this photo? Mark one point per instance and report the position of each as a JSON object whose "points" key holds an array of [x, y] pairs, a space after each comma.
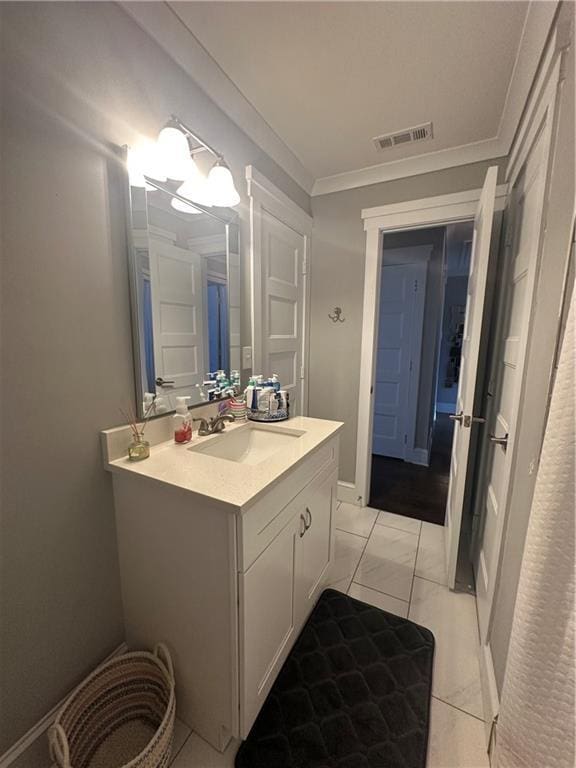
{"points": [[280, 588], [227, 586]]}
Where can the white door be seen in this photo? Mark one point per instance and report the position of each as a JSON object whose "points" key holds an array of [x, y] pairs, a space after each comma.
{"points": [[402, 291], [467, 386], [178, 318], [283, 267], [524, 226]]}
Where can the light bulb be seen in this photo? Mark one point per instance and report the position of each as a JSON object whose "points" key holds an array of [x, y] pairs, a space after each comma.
{"points": [[221, 187], [178, 205], [143, 161], [174, 154]]}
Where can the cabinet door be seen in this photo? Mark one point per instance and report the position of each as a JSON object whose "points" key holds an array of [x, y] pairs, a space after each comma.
{"points": [[267, 621], [313, 544]]}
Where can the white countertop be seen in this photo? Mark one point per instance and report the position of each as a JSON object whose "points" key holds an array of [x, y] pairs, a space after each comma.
{"points": [[230, 483]]}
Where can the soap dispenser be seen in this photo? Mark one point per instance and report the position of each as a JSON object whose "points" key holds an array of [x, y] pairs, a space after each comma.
{"points": [[182, 421]]}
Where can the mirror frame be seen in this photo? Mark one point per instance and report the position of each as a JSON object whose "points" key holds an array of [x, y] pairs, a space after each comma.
{"points": [[226, 216]]}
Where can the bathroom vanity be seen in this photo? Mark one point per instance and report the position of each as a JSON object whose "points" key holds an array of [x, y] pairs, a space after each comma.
{"points": [[225, 545]]}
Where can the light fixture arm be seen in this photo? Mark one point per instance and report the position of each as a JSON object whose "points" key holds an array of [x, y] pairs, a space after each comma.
{"points": [[199, 207], [175, 120]]}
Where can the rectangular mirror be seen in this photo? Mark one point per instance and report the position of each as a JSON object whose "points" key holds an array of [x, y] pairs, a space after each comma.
{"points": [[185, 298]]}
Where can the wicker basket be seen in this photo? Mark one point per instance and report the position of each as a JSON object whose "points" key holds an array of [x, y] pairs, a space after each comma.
{"points": [[121, 716]]}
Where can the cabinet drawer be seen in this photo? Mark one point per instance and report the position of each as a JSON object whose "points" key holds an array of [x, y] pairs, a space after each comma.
{"points": [[259, 525]]}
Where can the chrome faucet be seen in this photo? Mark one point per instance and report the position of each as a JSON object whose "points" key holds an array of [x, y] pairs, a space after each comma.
{"points": [[213, 426]]}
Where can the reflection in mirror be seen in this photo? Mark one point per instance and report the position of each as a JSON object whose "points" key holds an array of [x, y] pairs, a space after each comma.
{"points": [[185, 293]]}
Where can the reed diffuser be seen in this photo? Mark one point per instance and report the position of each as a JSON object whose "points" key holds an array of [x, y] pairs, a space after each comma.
{"points": [[139, 448]]}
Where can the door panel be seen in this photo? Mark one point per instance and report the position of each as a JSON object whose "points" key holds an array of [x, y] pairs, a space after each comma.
{"points": [[177, 315], [283, 306], [525, 222], [469, 364], [268, 621], [396, 339]]}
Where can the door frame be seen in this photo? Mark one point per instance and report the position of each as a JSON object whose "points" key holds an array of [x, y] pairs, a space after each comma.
{"points": [[265, 197], [414, 214]]}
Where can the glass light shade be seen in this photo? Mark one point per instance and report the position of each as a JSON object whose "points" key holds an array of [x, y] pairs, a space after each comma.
{"points": [[221, 189], [143, 161], [175, 154], [178, 205], [195, 188]]}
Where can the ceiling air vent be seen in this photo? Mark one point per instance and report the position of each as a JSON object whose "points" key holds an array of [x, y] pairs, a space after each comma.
{"points": [[408, 136]]}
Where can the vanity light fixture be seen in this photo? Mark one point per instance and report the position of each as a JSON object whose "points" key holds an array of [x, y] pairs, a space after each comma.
{"points": [[174, 153], [143, 161], [221, 189]]}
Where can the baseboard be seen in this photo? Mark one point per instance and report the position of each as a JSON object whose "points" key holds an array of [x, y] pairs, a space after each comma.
{"points": [[39, 730], [490, 699], [418, 456], [346, 492]]}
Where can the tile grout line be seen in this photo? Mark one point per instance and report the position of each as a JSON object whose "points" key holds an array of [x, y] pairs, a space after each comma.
{"points": [[414, 571], [362, 554], [173, 757], [458, 709], [380, 592]]}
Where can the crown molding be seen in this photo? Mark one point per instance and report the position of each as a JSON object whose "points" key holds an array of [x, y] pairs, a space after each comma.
{"points": [[162, 23], [410, 166], [538, 23]]}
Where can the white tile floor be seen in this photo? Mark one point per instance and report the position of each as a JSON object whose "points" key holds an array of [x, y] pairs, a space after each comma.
{"points": [[398, 564]]}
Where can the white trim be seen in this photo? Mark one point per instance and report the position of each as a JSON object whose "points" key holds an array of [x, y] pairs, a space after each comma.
{"points": [[442, 209], [208, 245], [284, 207], [162, 22], [413, 214], [163, 234], [347, 492], [490, 700], [537, 25], [489, 149], [39, 729]]}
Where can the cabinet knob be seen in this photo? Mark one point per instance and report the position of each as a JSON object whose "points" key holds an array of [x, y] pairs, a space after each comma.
{"points": [[309, 516], [303, 527]]}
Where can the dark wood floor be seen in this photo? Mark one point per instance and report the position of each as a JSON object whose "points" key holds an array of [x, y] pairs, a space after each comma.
{"points": [[412, 490]]}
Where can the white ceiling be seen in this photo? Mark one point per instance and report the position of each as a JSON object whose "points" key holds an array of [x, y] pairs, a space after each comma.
{"points": [[328, 77]]}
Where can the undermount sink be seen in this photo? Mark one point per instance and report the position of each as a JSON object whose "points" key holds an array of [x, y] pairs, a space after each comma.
{"points": [[251, 444]]}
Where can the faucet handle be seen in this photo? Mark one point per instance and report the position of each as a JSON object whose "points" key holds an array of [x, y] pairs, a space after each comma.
{"points": [[203, 429]]}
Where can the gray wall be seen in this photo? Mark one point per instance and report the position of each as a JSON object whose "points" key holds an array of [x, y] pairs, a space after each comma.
{"points": [[559, 224], [338, 247], [78, 78], [431, 321]]}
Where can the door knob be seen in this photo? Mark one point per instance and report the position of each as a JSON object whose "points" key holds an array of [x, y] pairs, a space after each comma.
{"points": [[503, 441], [160, 382], [459, 417]]}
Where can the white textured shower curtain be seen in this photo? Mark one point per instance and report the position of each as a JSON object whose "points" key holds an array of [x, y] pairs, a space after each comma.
{"points": [[537, 720]]}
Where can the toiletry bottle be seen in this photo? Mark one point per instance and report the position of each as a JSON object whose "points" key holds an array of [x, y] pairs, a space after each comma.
{"points": [[182, 421]]}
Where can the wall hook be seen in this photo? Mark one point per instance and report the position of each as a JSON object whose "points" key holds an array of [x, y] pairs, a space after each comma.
{"points": [[337, 316]]}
